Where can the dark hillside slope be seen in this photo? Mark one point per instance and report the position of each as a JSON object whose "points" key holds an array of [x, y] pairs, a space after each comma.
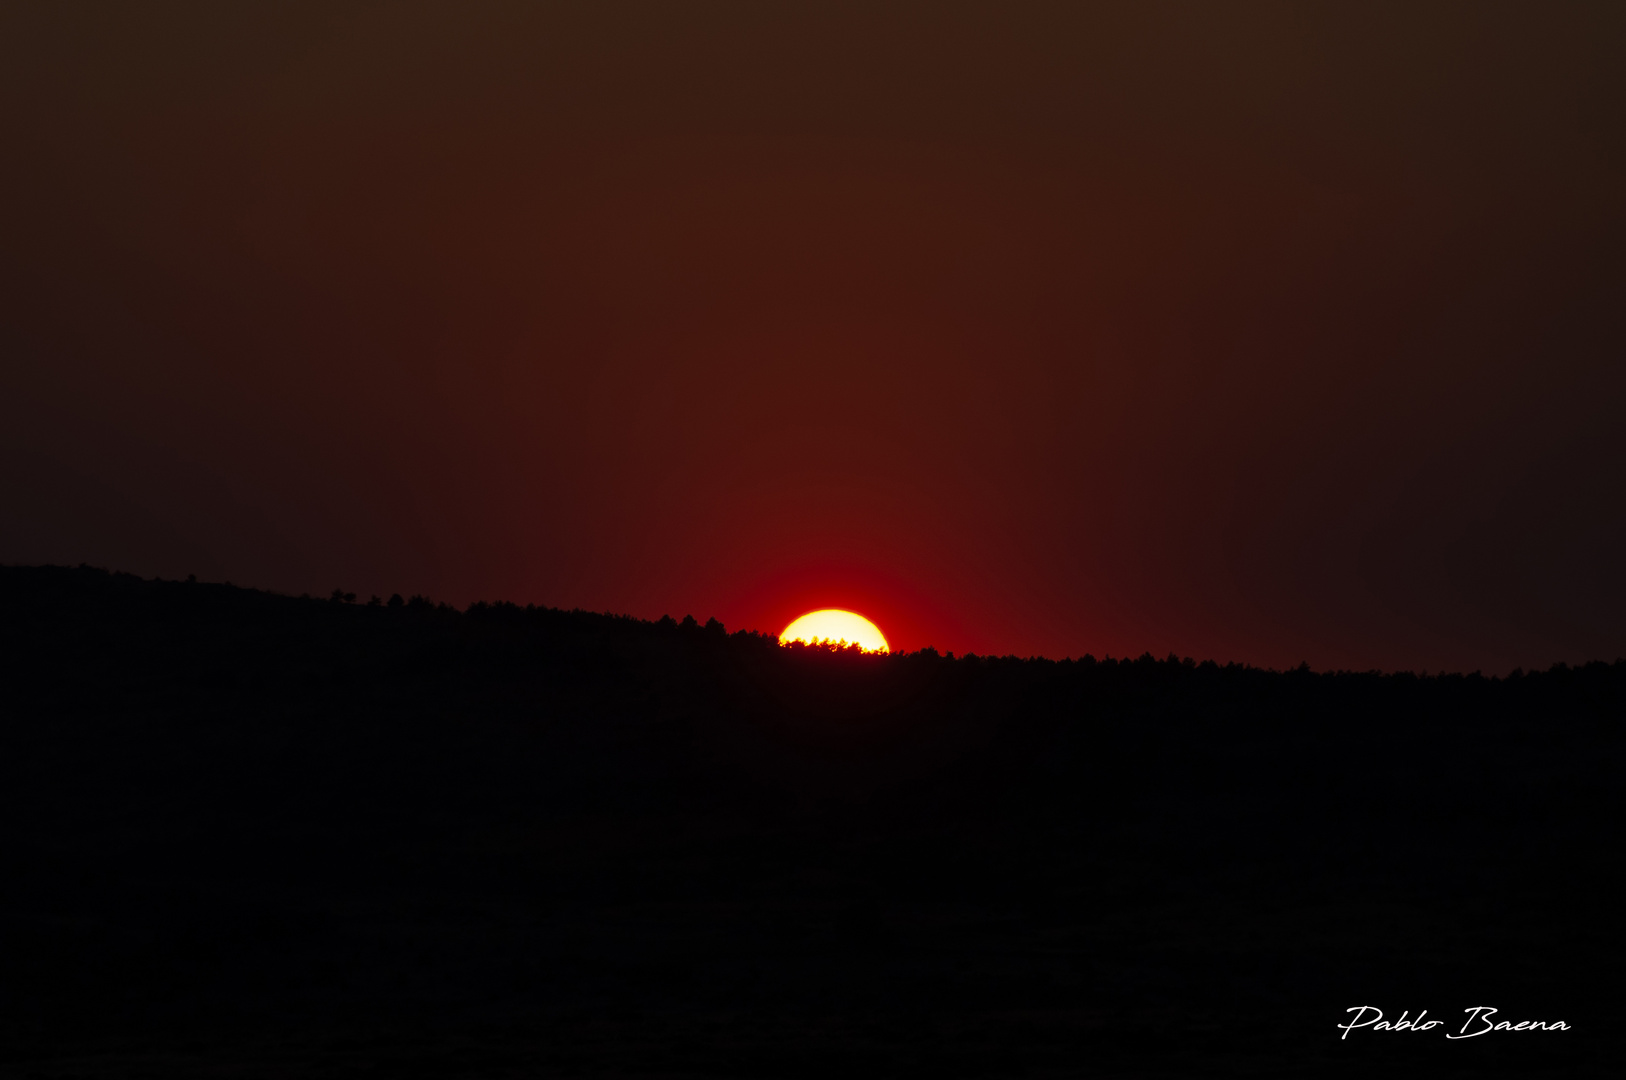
{"points": [[255, 835]]}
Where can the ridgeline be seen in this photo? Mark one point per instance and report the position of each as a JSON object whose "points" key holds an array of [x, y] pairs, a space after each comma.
{"points": [[281, 836]]}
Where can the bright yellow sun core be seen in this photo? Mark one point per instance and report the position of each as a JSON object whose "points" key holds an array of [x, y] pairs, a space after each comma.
{"points": [[835, 625]]}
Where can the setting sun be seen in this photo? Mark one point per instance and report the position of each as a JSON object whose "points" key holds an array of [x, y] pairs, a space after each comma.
{"points": [[835, 626]]}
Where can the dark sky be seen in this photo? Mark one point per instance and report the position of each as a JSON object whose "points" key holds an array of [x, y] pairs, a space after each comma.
{"points": [[1271, 333]]}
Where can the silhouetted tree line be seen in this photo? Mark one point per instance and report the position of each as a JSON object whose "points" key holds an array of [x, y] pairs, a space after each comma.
{"points": [[222, 806], [1020, 730], [46, 605]]}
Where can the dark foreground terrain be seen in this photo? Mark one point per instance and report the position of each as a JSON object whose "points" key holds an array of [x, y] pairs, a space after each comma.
{"points": [[248, 835]]}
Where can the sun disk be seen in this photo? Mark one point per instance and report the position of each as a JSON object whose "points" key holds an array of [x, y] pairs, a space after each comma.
{"points": [[837, 627]]}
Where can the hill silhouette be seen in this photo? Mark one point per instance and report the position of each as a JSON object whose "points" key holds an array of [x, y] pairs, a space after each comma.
{"points": [[272, 836]]}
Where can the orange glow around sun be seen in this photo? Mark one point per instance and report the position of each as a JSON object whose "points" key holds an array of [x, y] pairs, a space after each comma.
{"points": [[835, 626]]}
